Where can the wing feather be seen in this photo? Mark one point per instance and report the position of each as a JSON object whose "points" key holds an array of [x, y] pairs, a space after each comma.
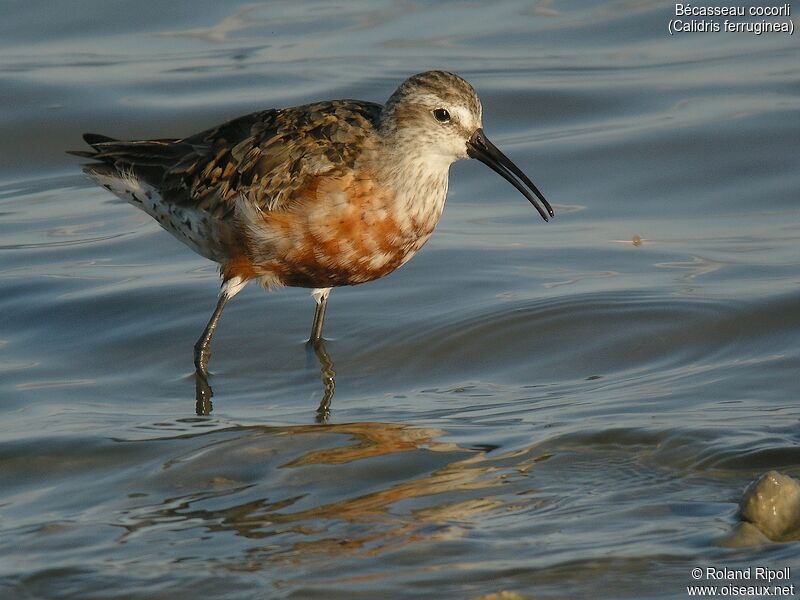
{"points": [[266, 158]]}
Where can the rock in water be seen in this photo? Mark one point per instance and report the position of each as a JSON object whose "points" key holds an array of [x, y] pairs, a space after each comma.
{"points": [[772, 503]]}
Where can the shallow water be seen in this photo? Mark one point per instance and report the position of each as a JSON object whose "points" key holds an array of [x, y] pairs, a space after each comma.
{"points": [[545, 409]]}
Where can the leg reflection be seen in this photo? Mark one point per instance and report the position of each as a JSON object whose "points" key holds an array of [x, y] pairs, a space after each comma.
{"points": [[202, 395], [328, 379]]}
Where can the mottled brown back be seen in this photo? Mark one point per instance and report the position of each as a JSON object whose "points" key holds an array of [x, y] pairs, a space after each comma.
{"points": [[264, 156]]}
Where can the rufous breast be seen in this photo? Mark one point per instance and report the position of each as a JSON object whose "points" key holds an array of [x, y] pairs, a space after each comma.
{"points": [[339, 231]]}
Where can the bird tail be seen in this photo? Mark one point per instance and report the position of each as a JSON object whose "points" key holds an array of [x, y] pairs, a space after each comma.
{"points": [[139, 153], [94, 140], [137, 160]]}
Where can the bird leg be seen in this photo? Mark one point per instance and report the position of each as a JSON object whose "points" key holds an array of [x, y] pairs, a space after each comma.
{"points": [[202, 349], [321, 298]]}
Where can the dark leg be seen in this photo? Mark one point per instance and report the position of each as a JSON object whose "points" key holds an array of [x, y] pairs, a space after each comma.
{"points": [[319, 321], [316, 342], [321, 298], [202, 349]]}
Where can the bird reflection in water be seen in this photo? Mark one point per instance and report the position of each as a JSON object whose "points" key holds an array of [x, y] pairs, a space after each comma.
{"points": [[307, 493], [204, 393]]}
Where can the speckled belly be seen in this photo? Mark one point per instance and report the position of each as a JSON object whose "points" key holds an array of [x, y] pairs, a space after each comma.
{"points": [[345, 252]]}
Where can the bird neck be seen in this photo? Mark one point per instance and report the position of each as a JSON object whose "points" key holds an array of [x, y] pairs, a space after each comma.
{"points": [[418, 179]]}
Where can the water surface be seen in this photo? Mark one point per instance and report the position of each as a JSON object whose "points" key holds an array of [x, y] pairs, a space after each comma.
{"points": [[550, 409]]}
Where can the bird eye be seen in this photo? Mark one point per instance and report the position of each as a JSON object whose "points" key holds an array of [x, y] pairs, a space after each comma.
{"points": [[442, 115]]}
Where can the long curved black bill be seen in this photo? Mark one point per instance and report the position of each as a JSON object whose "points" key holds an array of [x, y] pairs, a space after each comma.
{"points": [[479, 146]]}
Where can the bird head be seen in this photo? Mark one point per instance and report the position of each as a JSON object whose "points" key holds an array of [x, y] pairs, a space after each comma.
{"points": [[439, 115]]}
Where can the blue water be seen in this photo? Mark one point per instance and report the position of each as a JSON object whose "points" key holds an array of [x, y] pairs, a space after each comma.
{"points": [[561, 410]]}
